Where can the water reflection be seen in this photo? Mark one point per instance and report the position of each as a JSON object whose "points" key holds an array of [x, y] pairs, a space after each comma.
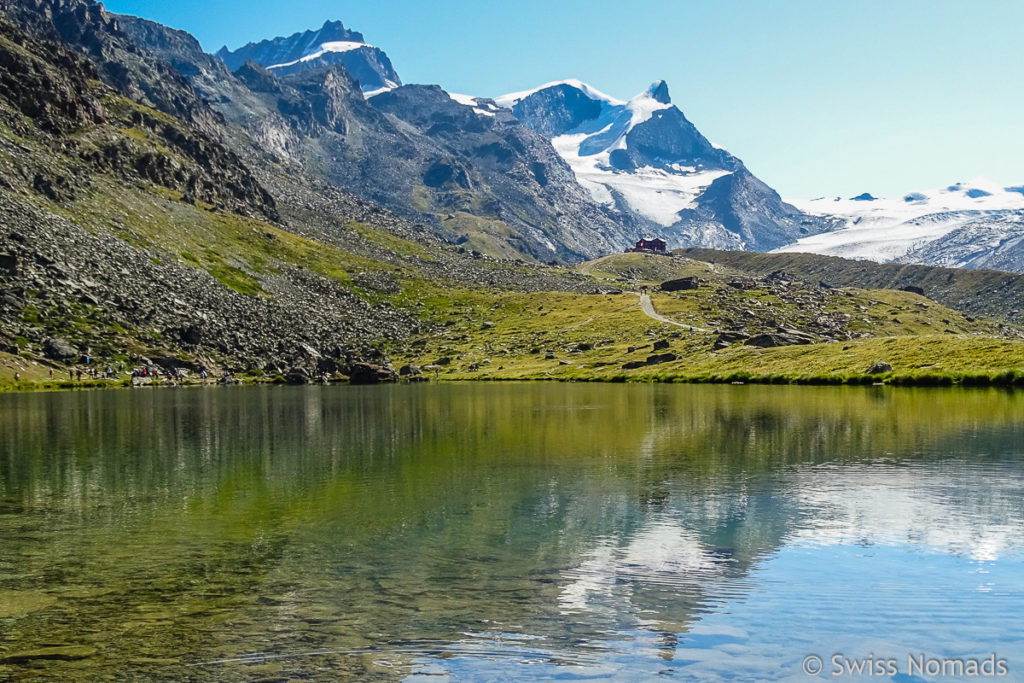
{"points": [[500, 530]]}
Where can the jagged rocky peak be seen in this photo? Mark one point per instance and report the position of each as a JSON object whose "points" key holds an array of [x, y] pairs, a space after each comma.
{"points": [[659, 92], [284, 49], [331, 45]]}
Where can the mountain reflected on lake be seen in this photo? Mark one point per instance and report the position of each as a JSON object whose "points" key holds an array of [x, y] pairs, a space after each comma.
{"points": [[502, 530]]}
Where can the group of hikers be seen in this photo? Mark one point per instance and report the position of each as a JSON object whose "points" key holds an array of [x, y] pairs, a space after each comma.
{"points": [[92, 371], [151, 371]]}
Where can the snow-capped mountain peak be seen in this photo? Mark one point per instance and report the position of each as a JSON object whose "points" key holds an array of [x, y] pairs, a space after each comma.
{"points": [[331, 44], [659, 92], [643, 106], [511, 99], [644, 158]]}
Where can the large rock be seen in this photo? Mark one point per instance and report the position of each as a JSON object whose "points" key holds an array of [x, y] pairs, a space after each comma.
{"points": [[661, 358], [59, 349], [772, 339], [370, 373], [297, 375], [879, 368], [680, 284], [9, 262]]}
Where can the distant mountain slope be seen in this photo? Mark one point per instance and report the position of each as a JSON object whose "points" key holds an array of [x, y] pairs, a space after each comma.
{"points": [[963, 224], [332, 44], [644, 158], [470, 170], [995, 241]]}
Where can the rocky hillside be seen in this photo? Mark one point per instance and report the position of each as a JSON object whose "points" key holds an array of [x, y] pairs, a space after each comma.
{"points": [[127, 234], [96, 34]]}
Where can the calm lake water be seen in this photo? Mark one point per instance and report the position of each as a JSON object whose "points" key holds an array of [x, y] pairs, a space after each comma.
{"points": [[509, 532]]}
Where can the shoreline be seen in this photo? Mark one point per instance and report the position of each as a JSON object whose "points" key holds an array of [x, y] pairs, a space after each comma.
{"points": [[1006, 380]]}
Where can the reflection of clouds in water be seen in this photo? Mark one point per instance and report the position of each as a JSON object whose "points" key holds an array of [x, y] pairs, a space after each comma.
{"points": [[972, 511], [942, 510], [662, 553]]}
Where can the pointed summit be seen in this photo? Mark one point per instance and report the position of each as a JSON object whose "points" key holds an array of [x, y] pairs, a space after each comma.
{"points": [[659, 91]]}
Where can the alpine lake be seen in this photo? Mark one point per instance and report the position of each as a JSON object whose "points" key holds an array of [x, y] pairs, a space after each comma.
{"points": [[512, 532]]}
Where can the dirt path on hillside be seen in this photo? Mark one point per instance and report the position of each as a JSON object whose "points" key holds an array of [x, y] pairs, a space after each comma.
{"points": [[587, 267], [647, 306]]}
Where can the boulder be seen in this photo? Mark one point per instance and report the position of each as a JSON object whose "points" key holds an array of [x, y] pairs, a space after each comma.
{"points": [[409, 370], [661, 358], [660, 344], [769, 340], [879, 368], [326, 366], [370, 373], [309, 351], [59, 349], [297, 375], [730, 336], [9, 262], [633, 365], [682, 283]]}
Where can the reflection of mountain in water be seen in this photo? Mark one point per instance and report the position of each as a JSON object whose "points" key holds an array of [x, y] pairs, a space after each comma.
{"points": [[341, 519]]}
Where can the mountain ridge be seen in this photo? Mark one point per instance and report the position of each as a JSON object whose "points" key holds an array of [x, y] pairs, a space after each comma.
{"points": [[331, 44], [645, 158]]}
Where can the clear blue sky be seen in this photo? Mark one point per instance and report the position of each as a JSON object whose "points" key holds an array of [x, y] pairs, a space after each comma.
{"points": [[817, 97]]}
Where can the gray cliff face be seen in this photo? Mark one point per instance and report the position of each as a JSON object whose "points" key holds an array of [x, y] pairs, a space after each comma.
{"points": [[749, 209], [313, 50], [557, 110], [119, 61], [512, 170]]}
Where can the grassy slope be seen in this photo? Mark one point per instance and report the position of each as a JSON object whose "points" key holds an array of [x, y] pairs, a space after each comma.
{"points": [[511, 336], [988, 292]]}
